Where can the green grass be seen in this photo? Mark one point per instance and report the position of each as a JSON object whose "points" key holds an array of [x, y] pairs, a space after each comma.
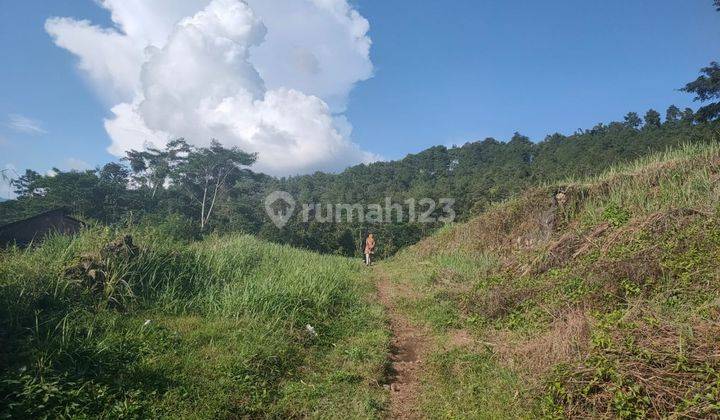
{"points": [[465, 384], [208, 329], [624, 327]]}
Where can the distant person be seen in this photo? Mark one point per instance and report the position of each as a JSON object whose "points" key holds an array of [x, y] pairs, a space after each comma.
{"points": [[369, 248]]}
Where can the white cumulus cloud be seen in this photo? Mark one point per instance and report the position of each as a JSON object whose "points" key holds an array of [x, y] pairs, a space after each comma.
{"points": [[268, 76]]}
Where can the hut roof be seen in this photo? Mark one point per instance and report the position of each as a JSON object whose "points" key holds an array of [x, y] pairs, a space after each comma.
{"points": [[23, 232]]}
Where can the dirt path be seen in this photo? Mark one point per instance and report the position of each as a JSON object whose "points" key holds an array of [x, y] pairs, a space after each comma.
{"points": [[410, 345]]}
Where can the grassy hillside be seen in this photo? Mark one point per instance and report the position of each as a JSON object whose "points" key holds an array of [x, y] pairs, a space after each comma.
{"points": [[588, 298], [592, 298], [213, 329]]}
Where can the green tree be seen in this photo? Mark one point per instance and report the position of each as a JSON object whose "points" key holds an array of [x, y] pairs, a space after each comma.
{"points": [[688, 116], [152, 167], [114, 173], [673, 114], [652, 119], [76, 190], [633, 120], [706, 88], [26, 185], [207, 174], [112, 184]]}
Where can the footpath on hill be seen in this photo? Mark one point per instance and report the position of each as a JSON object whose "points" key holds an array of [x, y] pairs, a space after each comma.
{"points": [[411, 344]]}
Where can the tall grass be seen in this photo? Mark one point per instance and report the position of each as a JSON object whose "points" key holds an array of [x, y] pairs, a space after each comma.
{"points": [[214, 328]]}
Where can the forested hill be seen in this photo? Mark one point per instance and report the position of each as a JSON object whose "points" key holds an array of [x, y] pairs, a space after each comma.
{"points": [[475, 175], [481, 172]]}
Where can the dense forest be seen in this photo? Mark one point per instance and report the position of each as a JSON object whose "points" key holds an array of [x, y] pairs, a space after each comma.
{"points": [[191, 192]]}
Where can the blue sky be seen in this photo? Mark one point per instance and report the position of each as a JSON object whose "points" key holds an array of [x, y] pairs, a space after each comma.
{"points": [[444, 73]]}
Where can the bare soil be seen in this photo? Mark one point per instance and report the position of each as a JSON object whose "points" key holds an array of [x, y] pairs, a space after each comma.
{"points": [[409, 346]]}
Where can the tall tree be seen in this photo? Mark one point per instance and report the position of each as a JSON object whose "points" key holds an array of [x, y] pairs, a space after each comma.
{"points": [[652, 119], [688, 116], [673, 113], [76, 190], [206, 175], [633, 120], [112, 187], [706, 88], [114, 173], [26, 185], [152, 167]]}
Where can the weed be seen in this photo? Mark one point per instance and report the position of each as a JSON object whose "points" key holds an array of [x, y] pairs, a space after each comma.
{"points": [[616, 215]]}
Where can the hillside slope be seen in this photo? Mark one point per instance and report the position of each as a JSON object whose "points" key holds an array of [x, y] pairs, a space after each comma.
{"points": [[596, 298], [230, 327]]}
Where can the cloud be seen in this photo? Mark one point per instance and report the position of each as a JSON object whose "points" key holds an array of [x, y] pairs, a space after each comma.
{"points": [[268, 76], [23, 124], [9, 171], [75, 164]]}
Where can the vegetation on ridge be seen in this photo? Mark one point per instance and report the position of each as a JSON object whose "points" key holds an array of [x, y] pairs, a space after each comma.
{"points": [[167, 187], [596, 298]]}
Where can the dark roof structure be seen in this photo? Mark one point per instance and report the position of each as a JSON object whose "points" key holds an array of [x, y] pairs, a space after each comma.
{"points": [[25, 232]]}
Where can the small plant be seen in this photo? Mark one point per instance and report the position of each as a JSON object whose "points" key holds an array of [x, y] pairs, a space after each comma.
{"points": [[574, 289], [630, 289], [616, 215], [630, 402]]}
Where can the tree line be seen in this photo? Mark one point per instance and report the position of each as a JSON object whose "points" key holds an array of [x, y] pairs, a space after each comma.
{"points": [[192, 191]]}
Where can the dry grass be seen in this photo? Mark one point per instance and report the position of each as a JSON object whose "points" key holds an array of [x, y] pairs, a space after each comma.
{"points": [[565, 341], [682, 178], [496, 301], [665, 367]]}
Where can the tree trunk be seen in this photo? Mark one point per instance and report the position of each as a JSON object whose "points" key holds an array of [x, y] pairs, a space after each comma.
{"points": [[218, 184], [202, 211]]}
